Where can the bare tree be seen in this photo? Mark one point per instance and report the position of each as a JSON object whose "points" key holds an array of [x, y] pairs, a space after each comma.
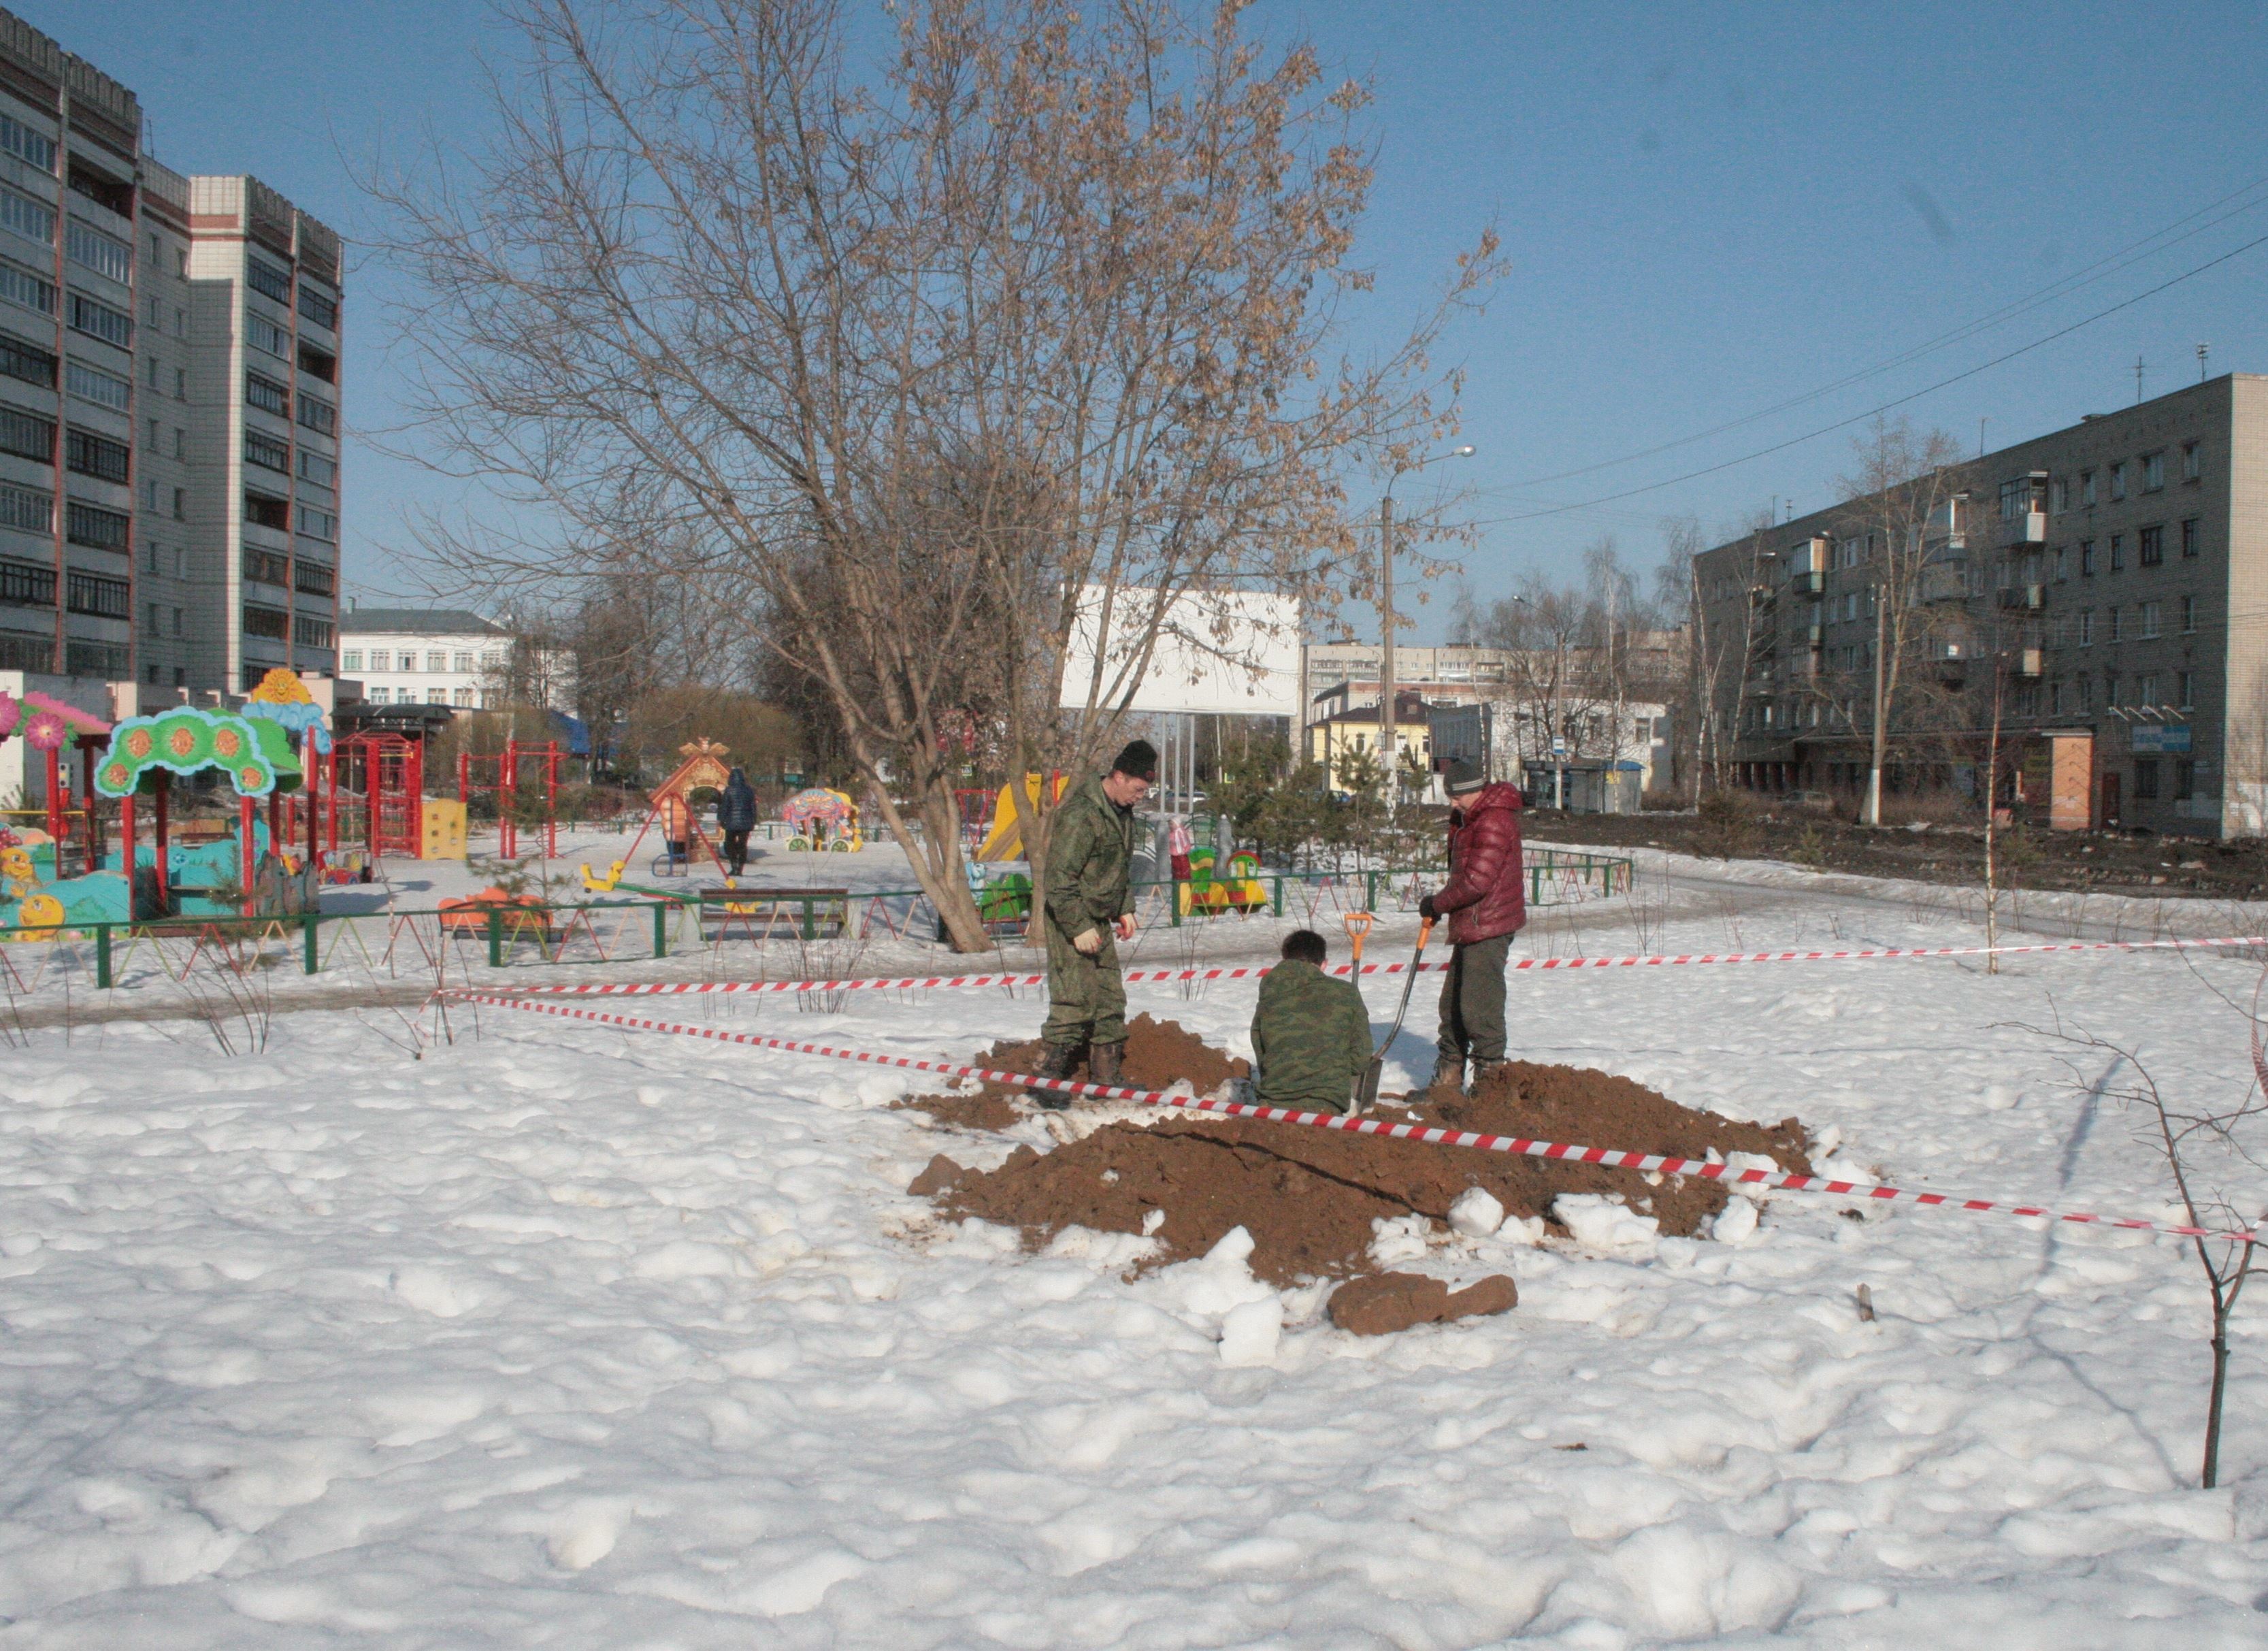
{"points": [[1035, 322]]}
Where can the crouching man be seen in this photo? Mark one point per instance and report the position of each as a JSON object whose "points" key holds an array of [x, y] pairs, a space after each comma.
{"points": [[1310, 1033]]}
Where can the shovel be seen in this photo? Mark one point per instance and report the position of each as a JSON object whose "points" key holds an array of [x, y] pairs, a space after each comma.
{"points": [[1366, 1094], [1358, 928]]}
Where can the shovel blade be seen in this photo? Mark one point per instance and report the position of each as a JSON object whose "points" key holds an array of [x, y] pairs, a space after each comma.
{"points": [[1366, 1093]]}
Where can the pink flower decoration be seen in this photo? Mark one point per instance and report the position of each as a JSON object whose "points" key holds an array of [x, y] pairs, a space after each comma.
{"points": [[45, 730], [10, 711]]}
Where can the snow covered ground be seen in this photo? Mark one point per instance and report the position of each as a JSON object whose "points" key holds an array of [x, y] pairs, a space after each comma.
{"points": [[561, 1335]]}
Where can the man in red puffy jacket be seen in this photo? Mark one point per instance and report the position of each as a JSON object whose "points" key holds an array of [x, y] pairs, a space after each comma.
{"points": [[1484, 903]]}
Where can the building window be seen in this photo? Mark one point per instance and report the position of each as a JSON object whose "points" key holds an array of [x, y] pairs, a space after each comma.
{"points": [[2059, 494], [177, 621], [2186, 689], [27, 509], [266, 279], [265, 512], [29, 363], [2086, 487], [2185, 778], [310, 633], [98, 320], [105, 659], [2087, 627], [492, 661], [2146, 780], [34, 220], [315, 467], [464, 697], [351, 659], [2086, 559], [2189, 616], [2150, 547], [264, 335], [2117, 552], [318, 308], [2189, 537], [2062, 564], [436, 661], [180, 383], [28, 586], [19, 285], [97, 456], [313, 578], [2192, 460], [319, 415], [2118, 629], [27, 435], [90, 524], [319, 524], [2109, 689], [105, 255], [436, 696], [2146, 689], [2086, 686], [265, 567], [319, 364], [463, 665], [268, 395], [2153, 470], [181, 503], [270, 622], [22, 142], [104, 598], [267, 451], [2118, 481]]}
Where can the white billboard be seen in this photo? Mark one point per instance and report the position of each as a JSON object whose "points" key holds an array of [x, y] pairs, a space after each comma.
{"points": [[1227, 652]]}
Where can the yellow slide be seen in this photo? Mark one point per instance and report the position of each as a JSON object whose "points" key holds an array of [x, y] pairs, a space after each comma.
{"points": [[1006, 840]]}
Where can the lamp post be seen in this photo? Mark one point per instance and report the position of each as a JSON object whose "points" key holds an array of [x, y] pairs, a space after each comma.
{"points": [[1387, 743]]}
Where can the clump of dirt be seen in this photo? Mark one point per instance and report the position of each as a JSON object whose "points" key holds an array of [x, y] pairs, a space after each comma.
{"points": [[1308, 1196], [1387, 1301], [1159, 1054]]}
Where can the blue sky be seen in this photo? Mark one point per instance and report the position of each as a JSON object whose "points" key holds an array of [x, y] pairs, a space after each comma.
{"points": [[1709, 209]]}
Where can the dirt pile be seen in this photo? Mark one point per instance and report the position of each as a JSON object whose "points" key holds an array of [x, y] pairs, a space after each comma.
{"points": [[1387, 1301], [1308, 1196], [1158, 1053]]}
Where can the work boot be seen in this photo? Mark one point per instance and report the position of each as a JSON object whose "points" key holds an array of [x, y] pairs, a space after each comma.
{"points": [[1449, 1073], [1106, 1064], [1055, 1061]]}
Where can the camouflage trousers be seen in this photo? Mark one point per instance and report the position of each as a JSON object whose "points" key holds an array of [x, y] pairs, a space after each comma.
{"points": [[1086, 996]]}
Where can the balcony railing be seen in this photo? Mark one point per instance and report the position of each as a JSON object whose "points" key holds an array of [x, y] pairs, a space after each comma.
{"points": [[1945, 582], [2026, 596], [1806, 582], [2027, 527]]}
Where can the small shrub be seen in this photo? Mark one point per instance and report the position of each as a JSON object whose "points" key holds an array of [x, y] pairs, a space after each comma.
{"points": [[1728, 826]]}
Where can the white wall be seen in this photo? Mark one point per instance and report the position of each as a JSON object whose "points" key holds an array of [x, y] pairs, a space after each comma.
{"points": [[1228, 652]]}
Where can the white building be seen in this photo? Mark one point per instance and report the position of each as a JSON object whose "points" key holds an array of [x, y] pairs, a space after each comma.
{"points": [[409, 656]]}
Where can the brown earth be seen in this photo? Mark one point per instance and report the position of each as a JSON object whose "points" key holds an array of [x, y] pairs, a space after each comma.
{"points": [[1158, 1053], [1308, 1196], [1385, 1302]]}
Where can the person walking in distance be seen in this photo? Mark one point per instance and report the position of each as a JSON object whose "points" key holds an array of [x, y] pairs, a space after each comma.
{"points": [[736, 817], [1088, 907], [1484, 903]]}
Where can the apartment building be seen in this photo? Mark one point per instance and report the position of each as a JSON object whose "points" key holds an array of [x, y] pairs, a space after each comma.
{"points": [[2106, 582], [169, 401], [411, 656]]}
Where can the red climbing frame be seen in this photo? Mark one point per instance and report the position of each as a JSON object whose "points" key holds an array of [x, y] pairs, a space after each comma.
{"points": [[506, 785], [389, 773]]}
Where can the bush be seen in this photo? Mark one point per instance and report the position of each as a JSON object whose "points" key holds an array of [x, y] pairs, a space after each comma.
{"points": [[1728, 828]]}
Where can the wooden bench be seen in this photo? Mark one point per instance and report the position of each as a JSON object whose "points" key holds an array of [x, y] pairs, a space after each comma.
{"points": [[811, 914]]}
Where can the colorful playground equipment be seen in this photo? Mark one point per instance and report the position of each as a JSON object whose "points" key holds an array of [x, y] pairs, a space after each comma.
{"points": [[1207, 891], [824, 820], [1005, 841], [499, 774], [671, 804]]}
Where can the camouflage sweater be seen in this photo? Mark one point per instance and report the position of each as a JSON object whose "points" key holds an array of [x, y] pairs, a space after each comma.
{"points": [[1310, 1038], [1089, 853]]}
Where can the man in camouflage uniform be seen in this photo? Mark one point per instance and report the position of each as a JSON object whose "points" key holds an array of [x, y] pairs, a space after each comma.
{"points": [[1310, 1033], [1089, 905]]}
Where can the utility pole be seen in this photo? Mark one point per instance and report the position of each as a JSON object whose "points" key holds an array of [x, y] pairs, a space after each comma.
{"points": [[2137, 380], [2201, 356], [1875, 768], [1980, 435], [1385, 751]]}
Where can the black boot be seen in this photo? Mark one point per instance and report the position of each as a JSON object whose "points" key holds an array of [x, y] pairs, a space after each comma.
{"points": [[1056, 1060], [1106, 1064], [1449, 1073]]}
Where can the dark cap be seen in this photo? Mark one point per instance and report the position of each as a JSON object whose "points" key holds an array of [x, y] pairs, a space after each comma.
{"points": [[1463, 778], [1140, 760]]}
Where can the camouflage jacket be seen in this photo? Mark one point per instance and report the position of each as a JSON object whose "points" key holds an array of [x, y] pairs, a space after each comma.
{"points": [[1310, 1038], [1089, 852]]}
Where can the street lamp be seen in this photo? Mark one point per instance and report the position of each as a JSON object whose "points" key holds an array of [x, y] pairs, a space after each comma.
{"points": [[1385, 735]]}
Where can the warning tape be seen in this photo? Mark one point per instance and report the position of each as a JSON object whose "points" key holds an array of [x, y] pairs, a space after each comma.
{"points": [[1254, 971], [1432, 1134]]}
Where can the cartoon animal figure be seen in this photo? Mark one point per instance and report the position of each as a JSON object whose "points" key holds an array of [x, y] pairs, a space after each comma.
{"points": [[594, 884], [40, 912], [17, 876]]}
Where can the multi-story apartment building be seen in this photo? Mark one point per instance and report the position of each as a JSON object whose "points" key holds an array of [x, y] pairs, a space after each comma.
{"points": [[169, 399], [2106, 585]]}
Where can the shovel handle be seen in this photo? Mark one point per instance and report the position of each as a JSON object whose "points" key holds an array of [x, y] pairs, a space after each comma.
{"points": [[1425, 930], [1358, 928]]}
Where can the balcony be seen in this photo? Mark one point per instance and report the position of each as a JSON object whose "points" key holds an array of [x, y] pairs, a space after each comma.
{"points": [[2029, 662], [1945, 582], [1806, 582], [2030, 597], [2025, 527]]}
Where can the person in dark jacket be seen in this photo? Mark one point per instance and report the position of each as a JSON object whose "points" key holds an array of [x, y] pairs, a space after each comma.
{"points": [[736, 817], [1485, 904], [1089, 905], [1310, 1033]]}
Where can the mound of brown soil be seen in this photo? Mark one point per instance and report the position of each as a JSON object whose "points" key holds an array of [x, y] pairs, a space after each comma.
{"points": [[1159, 1054], [1308, 1196], [1387, 1301]]}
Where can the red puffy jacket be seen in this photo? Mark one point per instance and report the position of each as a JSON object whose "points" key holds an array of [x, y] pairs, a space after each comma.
{"points": [[1487, 892]]}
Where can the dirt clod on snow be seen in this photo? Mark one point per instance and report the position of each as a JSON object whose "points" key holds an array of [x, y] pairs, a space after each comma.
{"points": [[1384, 1302]]}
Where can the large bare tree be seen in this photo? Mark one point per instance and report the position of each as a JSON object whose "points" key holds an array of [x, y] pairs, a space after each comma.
{"points": [[922, 369]]}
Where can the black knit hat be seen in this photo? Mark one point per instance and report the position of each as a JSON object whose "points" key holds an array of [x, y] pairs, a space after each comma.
{"points": [[1463, 778], [1140, 760]]}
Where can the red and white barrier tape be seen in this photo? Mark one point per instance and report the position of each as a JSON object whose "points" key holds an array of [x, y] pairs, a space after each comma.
{"points": [[1426, 1133], [1254, 971]]}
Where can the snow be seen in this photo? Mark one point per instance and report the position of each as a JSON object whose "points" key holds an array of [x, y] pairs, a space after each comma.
{"points": [[566, 1335]]}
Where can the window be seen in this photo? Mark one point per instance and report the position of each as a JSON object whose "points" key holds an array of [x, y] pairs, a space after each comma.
{"points": [[379, 696], [2116, 624], [463, 665], [311, 632], [2146, 780], [266, 451], [19, 285], [262, 334], [2153, 470], [436, 661], [105, 255], [34, 220], [2086, 559], [22, 142], [464, 696], [2086, 686], [264, 278], [181, 442], [266, 567], [318, 308], [180, 383], [88, 525], [2117, 552], [102, 389], [2185, 778], [319, 364], [2062, 564], [97, 456], [2150, 547], [96, 659], [351, 659], [436, 696], [2186, 689], [315, 467], [492, 661], [2149, 621], [319, 414], [2119, 480], [313, 579], [2086, 487], [2192, 460], [150, 559], [266, 511], [271, 622], [27, 586], [2059, 494], [267, 394], [92, 594], [2087, 627], [27, 509], [98, 320], [181, 503], [27, 435], [2146, 689], [2189, 537], [319, 524], [2189, 614], [27, 362]]}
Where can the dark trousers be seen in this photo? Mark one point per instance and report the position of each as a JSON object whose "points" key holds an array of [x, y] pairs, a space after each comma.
{"points": [[1472, 1001], [736, 850]]}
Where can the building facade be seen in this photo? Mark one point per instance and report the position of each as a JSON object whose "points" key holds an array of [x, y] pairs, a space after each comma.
{"points": [[2105, 585], [169, 406], [409, 656]]}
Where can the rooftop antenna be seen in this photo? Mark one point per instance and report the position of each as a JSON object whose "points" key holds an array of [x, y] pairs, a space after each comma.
{"points": [[2137, 380], [1980, 435], [2202, 350]]}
